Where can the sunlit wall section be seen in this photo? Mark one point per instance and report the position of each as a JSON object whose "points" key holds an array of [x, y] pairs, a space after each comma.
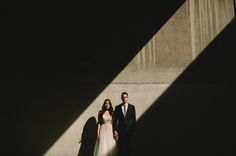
{"points": [[208, 18], [179, 41]]}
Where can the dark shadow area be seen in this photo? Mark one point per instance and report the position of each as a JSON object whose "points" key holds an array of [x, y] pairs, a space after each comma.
{"points": [[88, 138], [196, 114], [61, 57], [3, 11]]}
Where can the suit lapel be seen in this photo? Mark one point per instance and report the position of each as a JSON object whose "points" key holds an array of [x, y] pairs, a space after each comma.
{"points": [[128, 109], [121, 111]]}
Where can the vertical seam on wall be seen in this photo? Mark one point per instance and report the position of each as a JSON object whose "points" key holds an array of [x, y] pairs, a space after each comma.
{"points": [[192, 27]]}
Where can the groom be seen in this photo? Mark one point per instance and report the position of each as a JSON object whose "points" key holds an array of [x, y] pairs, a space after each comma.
{"points": [[124, 124]]}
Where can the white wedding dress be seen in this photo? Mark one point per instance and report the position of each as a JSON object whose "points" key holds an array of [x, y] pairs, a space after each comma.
{"points": [[106, 144]]}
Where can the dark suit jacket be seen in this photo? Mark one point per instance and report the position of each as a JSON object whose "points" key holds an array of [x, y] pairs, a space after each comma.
{"points": [[127, 124]]}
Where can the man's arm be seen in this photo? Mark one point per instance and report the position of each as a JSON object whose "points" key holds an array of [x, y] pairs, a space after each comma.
{"points": [[115, 121], [134, 118]]}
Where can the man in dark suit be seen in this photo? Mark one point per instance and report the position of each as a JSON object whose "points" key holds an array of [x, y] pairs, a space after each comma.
{"points": [[124, 124]]}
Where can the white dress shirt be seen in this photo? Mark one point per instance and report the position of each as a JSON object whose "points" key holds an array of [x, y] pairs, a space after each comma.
{"points": [[125, 108]]}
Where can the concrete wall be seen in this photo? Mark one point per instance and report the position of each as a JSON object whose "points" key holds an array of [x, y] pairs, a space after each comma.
{"points": [[207, 22], [178, 42], [164, 54], [157, 65]]}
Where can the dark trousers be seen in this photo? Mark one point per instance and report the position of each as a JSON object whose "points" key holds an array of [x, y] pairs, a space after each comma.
{"points": [[124, 144]]}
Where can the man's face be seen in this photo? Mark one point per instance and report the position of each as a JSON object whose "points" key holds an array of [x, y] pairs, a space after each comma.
{"points": [[124, 98]]}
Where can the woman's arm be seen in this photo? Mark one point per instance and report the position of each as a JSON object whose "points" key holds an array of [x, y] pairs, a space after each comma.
{"points": [[98, 130], [115, 120], [99, 124]]}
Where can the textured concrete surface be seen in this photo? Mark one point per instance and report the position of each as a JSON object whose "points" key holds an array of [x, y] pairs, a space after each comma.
{"points": [[166, 54], [179, 41], [157, 64], [208, 18]]}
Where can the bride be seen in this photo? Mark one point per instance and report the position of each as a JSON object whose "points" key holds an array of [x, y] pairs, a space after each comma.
{"points": [[106, 143]]}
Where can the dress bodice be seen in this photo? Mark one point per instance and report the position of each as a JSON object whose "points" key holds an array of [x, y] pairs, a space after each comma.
{"points": [[107, 119]]}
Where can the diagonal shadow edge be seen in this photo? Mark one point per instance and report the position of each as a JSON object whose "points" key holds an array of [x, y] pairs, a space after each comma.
{"points": [[44, 95], [195, 114]]}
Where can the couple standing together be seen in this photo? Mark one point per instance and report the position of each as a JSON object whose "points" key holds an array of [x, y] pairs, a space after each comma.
{"points": [[115, 128]]}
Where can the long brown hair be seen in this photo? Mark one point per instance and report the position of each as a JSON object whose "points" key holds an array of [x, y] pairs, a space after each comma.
{"points": [[104, 107], [101, 112]]}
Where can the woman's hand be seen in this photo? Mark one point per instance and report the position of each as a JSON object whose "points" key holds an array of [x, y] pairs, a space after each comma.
{"points": [[115, 134], [98, 137]]}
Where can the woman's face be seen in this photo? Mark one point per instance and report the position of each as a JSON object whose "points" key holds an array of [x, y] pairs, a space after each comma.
{"points": [[107, 104]]}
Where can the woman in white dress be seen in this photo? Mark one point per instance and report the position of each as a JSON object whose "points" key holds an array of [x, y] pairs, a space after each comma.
{"points": [[106, 143]]}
